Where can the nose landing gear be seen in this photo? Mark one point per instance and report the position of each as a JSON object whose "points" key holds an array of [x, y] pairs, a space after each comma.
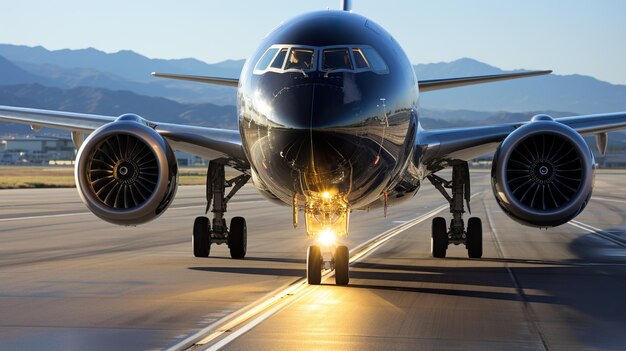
{"points": [[339, 261], [326, 217], [342, 261]]}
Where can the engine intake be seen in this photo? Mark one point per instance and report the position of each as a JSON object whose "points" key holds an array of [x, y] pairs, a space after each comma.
{"points": [[126, 172], [542, 173]]}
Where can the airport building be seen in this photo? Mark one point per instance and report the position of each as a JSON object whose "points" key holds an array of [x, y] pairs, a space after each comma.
{"points": [[58, 151], [36, 150]]}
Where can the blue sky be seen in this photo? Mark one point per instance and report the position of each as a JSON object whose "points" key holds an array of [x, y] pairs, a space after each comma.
{"points": [[568, 36]]}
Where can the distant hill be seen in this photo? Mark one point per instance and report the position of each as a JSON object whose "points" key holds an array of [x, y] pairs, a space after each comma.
{"points": [[576, 93], [125, 63], [127, 70], [12, 74], [112, 103], [124, 70]]}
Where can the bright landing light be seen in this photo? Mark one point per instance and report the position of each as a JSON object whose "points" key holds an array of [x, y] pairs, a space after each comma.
{"points": [[326, 237]]}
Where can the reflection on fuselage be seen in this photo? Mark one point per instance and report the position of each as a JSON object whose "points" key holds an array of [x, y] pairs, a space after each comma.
{"points": [[345, 132]]}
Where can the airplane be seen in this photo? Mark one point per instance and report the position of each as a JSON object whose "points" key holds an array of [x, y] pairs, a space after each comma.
{"points": [[328, 125]]}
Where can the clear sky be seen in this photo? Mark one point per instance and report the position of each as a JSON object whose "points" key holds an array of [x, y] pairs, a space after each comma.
{"points": [[569, 36]]}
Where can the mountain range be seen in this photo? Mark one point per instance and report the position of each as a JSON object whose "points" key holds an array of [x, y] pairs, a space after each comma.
{"points": [[124, 70], [127, 70]]}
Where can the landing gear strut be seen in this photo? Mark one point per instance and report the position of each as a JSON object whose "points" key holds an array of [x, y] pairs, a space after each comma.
{"points": [[205, 234], [456, 234]]}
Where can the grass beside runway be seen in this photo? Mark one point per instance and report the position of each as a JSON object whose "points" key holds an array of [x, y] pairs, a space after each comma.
{"points": [[16, 177], [21, 177]]}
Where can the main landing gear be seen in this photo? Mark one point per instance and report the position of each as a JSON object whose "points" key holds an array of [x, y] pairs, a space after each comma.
{"points": [[457, 233], [339, 261], [205, 233]]}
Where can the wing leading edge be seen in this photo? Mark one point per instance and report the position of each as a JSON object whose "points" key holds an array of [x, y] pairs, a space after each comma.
{"points": [[438, 84], [210, 143], [229, 82], [424, 85]]}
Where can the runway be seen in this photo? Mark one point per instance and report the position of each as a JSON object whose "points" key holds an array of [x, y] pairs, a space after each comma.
{"points": [[69, 281]]}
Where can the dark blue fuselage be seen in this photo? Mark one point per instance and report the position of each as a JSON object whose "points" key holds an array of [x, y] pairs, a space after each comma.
{"points": [[351, 132]]}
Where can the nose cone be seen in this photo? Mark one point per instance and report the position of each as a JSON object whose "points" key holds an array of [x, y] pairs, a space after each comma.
{"points": [[313, 136], [292, 107]]}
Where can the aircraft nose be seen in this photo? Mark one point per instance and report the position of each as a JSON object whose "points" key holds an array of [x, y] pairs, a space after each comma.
{"points": [[310, 106], [311, 137], [292, 106]]}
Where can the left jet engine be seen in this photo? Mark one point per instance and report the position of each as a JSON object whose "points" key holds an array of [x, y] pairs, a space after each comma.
{"points": [[126, 173]]}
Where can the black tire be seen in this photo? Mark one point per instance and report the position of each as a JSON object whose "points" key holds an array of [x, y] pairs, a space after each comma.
{"points": [[238, 237], [314, 265], [474, 239], [201, 238], [439, 238], [342, 269]]}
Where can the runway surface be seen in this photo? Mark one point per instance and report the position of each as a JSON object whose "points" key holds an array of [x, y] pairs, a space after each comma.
{"points": [[69, 281]]}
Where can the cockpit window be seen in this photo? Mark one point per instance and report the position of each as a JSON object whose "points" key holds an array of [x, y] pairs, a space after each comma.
{"points": [[265, 60], [301, 59], [375, 61], [335, 59], [280, 58], [348, 58], [359, 59]]}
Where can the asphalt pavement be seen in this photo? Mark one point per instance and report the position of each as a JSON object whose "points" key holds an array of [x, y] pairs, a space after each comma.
{"points": [[69, 281]]}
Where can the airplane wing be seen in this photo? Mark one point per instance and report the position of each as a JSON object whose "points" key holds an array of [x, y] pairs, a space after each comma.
{"points": [[210, 143], [444, 146], [447, 83], [424, 85], [229, 82]]}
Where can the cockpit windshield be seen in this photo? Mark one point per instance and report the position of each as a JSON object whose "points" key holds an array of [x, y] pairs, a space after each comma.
{"points": [[348, 58], [300, 59], [280, 59], [336, 59]]}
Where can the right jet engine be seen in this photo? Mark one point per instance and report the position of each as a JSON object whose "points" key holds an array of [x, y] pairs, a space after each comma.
{"points": [[542, 173]]}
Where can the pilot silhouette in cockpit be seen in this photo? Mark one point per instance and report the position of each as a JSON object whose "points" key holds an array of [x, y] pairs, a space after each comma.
{"points": [[300, 60]]}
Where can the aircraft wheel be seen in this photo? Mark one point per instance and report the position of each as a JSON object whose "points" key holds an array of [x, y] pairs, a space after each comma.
{"points": [[201, 238], [238, 237], [342, 260], [474, 240], [439, 238], [314, 265]]}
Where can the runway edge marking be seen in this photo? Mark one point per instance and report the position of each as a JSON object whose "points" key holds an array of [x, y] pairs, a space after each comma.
{"points": [[598, 198], [599, 232], [252, 315]]}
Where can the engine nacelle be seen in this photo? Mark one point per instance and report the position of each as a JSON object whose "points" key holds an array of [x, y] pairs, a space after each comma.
{"points": [[126, 173], [542, 173]]}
